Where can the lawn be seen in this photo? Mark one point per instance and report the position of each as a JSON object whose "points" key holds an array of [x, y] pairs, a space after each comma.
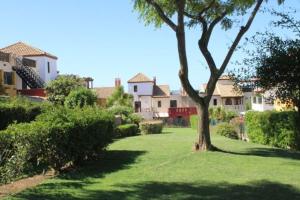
{"points": [[165, 167]]}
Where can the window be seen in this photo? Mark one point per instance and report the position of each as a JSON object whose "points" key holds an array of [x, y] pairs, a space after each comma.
{"points": [[254, 99], [237, 101], [228, 101], [8, 78], [259, 100], [215, 102], [159, 104], [48, 67], [135, 88], [173, 104]]}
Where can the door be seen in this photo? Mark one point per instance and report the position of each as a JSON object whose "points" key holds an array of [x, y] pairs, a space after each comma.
{"points": [[137, 106]]}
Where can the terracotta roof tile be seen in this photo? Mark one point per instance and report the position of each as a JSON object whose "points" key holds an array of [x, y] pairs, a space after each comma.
{"points": [[161, 91], [22, 49], [140, 78], [104, 92]]}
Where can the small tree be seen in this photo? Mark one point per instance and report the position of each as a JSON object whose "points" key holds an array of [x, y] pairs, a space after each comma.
{"points": [[58, 89], [275, 62], [80, 97], [119, 98], [208, 14]]}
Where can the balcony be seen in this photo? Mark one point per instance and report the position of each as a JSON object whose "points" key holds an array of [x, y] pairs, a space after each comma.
{"points": [[32, 92], [4, 57], [182, 112]]}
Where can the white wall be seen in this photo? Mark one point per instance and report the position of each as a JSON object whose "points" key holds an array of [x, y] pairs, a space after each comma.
{"points": [[144, 89], [261, 106], [42, 67]]}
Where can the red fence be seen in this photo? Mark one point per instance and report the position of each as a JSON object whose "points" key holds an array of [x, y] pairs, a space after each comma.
{"points": [[33, 92], [183, 112]]}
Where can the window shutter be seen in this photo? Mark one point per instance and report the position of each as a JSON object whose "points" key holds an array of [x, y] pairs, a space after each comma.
{"points": [[13, 78], [1, 77]]}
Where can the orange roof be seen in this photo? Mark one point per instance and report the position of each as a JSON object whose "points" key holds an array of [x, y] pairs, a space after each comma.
{"points": [[104, 92], [140, 78], [22, 49], [161, 91]]}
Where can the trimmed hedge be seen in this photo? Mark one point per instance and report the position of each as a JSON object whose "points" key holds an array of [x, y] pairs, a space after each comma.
{"points": [[151, 127], [279, 129], [127, 130], [58, 137], [17, 113], [226, 129]]}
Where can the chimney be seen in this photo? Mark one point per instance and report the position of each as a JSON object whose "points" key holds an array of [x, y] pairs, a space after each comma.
{"points": [[154, 80], [117, 82]]}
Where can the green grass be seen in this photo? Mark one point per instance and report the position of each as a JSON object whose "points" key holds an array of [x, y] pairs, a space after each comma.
{"points": [[165, 167]]}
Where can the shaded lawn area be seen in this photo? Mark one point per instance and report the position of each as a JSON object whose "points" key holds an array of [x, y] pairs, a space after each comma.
{"points": [[165, 167]]}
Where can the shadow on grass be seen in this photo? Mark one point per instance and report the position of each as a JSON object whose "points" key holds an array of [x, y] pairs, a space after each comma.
{"points": [[263, 190], [112, 160], [267, 152]]}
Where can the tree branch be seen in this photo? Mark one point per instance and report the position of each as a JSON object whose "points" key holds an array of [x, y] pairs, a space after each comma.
{"points": [[162, 14], [183, 72], [242, 31]]}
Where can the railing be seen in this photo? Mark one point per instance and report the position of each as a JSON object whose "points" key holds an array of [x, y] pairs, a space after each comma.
{"points": [[182, 111], [4, 57], [33, 92], [29, 62]]}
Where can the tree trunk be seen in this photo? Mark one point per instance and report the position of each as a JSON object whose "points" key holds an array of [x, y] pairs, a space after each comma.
{"points": [[204, 142]]}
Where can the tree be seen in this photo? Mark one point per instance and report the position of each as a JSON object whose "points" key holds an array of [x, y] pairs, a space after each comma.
{"points": [[81, 97], [58, 89], [208, 14], [119, 98], [275, 62]]}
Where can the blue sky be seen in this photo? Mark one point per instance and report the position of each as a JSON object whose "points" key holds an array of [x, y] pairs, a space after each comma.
{"points": [[105, 39]]}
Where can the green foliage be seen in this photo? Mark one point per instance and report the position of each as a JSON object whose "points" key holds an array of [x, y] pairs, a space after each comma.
{"points": [[232, 7], [226, 129], [151, 127], [17, 110], [119, 98], [216, 114], [58, 137], [194, 121], [134, 118], [127, 130], [280, 129], [80, 97], [59, 89]]}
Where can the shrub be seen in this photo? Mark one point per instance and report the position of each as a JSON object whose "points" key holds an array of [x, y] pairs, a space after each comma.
{"points": [[151, 127], [226, 129], [58, 89], [80, 97], [127, 130], [10, 113], [56, 138], [194, 121], [280, 129]]}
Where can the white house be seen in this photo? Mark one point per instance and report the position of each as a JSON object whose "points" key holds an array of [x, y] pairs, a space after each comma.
{"points": [[156, 101], [41, 62], [261, 101]]}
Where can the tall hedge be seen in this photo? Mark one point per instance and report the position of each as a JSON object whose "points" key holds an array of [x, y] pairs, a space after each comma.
{"points": [[58, 137], [279, 129], [17, 113]]}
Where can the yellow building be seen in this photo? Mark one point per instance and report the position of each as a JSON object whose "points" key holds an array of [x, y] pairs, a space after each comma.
{"points": [[7, 75], [282, 106]]}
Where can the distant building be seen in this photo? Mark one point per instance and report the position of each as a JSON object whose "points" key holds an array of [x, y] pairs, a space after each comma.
{"points": [[103, 93], [153, 101], [226, 95]]}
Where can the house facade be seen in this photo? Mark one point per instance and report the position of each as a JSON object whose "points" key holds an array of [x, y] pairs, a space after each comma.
{"points": [[226, 95], [33, 67], [153, 101], [103, 93]]}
